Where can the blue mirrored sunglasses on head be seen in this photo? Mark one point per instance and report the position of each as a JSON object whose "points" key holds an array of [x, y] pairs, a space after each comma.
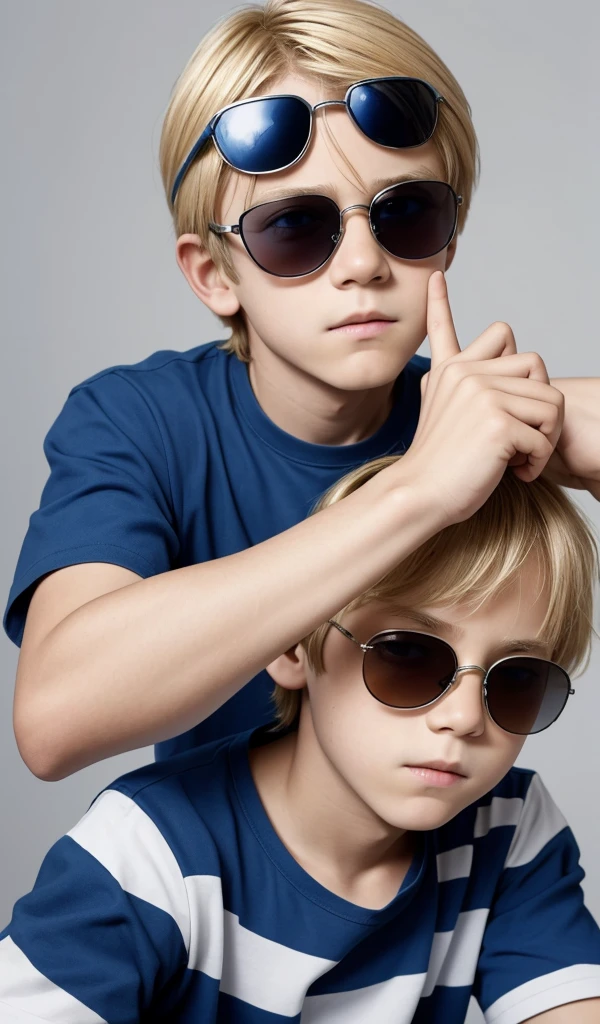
{"points": [[270, 133]]}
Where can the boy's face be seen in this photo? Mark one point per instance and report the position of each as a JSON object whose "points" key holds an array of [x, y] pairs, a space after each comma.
{"points": [[361, 749], [291, 322]]}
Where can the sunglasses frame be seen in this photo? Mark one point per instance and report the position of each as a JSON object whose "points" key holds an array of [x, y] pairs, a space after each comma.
{"points": [[209, 131], [238, 229], [459, 668]]}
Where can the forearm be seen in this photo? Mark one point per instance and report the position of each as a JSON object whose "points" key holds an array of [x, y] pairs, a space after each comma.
{"points": [[150, 660]]}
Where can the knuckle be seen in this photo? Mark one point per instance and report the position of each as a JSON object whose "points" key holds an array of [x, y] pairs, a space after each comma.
{"points": [[503, 328], [453, 372], [535, 360], [496, 425], [470, 385]]}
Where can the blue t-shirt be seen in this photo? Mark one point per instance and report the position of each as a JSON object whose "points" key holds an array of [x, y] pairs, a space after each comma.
{"points": [[174, 899], [172, 462]]}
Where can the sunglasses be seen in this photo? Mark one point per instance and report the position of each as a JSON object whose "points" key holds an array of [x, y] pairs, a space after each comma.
{"points": [[406, 669], [270, 133], [295, 236]]}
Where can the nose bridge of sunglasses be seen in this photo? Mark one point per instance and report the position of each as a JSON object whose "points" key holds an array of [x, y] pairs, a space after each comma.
{"points": [[469, 668], [330, 103], [461, 669], [355, 206]]}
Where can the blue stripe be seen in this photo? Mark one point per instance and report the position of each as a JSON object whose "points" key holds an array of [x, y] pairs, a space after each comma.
{"points": [[110, 950], [538, 923], [447, 1005], [232, 1009]]}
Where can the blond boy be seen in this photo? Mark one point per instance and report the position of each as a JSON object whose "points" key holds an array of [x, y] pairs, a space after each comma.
{"points": [[379, 861]]}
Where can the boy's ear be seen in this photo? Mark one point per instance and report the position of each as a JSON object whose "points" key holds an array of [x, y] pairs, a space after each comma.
{"points": [[450, 253], [289, 669], [203, 276]]}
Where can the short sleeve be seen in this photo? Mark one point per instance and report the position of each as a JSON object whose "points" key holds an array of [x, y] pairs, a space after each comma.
{"points": [[541, 946], [108, 496], [101, 935]]}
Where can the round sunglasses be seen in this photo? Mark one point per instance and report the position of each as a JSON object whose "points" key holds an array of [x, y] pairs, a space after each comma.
{"points": [[270, 133], [405, 669], [296, 236]]}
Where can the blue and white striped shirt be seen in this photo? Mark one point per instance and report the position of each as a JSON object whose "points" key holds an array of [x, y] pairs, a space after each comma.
{"points": [[174, 899]]}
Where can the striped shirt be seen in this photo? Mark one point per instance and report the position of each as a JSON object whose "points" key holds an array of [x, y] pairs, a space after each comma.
{"points": [[174, 899]]}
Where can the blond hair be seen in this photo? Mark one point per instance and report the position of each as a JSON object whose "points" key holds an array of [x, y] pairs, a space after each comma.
{"points": [[475, 559], [336, 42]]}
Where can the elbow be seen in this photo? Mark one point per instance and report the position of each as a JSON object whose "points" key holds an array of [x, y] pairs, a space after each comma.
{"points": [[41, 741], [43, 759]]}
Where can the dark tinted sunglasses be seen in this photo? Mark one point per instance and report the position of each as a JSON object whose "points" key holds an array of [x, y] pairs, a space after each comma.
{"points": [[295, 236], [270, 133], [406, 670]]}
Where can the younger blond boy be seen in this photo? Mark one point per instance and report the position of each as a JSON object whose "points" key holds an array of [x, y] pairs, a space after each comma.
{"points": [[382, 860]]}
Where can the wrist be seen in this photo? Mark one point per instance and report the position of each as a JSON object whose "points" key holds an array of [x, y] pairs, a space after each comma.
{"points": [[410, 504]]}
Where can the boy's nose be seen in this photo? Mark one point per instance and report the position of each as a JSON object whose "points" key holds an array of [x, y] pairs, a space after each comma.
{"points": [[461, 709], [359, 257]]}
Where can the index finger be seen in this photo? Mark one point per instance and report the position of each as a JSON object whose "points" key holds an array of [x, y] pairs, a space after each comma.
{"points": [[440, 325]]}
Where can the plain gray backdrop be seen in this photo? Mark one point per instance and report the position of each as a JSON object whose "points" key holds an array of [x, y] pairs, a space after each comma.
{"points": [[89, 278]]}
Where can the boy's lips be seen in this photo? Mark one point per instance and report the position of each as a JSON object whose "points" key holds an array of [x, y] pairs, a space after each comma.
{"points": [[438, 773], [370, 316]]}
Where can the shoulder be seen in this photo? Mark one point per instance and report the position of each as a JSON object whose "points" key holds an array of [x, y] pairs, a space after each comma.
{"points": [[166, 365], [165, 814], [510, 824], [155, 402], [521, 801]]}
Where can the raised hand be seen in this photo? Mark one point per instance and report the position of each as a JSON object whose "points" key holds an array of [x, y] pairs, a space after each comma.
{"points": [[483, 408]]}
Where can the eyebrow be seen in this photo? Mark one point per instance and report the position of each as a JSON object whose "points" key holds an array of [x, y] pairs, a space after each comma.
{"points": [[510, 645], [288, 191]]}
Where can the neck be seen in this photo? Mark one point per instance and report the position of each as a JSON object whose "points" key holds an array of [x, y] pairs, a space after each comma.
{"points": [[311, 409], [327, 828]]}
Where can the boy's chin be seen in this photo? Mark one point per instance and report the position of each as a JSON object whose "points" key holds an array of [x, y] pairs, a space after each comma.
{"points": [[421, 815], [365, 371]]}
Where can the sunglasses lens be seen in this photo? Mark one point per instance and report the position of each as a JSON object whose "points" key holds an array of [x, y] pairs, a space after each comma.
{"points": [[400, 113], [525, 695], [408, 670], [263, 135], [291, 237], [415, 219]]}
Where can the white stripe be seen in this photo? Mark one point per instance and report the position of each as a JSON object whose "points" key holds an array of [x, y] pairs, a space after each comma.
{"points": [[454, 955], [264, 973], [502, 811], [122, 837], [565, 986], [540, 821], [454, 863], [23, 987], [474, 1014], [390, 1002], [8, 1015], [206, 914]]}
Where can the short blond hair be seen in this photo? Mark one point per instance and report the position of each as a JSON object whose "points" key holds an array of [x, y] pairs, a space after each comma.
{"points": [[336, 42], [472, 560]]}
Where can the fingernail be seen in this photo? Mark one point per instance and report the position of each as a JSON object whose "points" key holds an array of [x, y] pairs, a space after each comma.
{"points": [[438, 284]]}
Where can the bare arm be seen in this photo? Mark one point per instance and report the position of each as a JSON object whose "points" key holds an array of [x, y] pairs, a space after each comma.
{"points": [[576, 461], [585, 1011], [110, 662]]}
